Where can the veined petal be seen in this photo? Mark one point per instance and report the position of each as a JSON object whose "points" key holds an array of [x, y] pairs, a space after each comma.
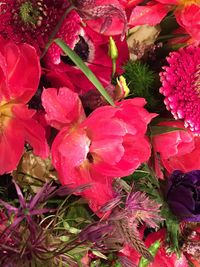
{"points": [[150, 14]]}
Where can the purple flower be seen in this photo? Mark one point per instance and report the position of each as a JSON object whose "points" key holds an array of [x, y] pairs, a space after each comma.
{"points": [[183, 195]]}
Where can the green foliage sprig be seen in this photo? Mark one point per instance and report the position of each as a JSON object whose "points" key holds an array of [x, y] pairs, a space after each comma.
{"points": [[143, 82]]}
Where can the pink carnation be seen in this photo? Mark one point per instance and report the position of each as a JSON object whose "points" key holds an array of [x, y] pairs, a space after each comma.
{"points": [[110, 143], [180, 86]]}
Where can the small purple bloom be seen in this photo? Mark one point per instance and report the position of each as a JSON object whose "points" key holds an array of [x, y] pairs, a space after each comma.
{"points": [[183, 195]]}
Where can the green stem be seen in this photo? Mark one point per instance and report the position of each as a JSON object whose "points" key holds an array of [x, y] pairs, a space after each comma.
{"points": [[55, 31]]}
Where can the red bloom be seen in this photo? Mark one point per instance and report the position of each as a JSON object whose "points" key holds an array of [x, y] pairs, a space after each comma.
{"points": [[92, 47], [19, 76], [187, 14], [178, 149], [162, 257], [30, 21], [109, 143], [104, 16]]}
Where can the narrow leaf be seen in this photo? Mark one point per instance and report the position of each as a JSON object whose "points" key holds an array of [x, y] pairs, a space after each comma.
{"points": [[157, 130], [84, 68]]}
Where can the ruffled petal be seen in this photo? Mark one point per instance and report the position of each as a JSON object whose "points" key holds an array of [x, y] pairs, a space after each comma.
{"points": [[63, 107]]}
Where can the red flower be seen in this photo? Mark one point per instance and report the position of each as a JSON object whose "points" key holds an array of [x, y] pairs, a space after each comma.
{"points": [[110, 143], [178, 149], [92, 47], [187, 14], [19, 76], [104, 16], [162, 257], [30, 21], [192, 245]]}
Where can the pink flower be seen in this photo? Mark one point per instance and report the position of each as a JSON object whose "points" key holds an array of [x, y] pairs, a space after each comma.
{"points": [[162, 257], [110, 143], [177, 149], [180, 86], [19, 76]]}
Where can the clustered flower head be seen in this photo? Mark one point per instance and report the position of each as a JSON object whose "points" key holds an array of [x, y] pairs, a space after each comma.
{"points": [[180, 86]]}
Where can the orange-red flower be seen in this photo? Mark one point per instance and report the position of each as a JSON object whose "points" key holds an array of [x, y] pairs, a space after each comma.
{"points": [[19, 78]]}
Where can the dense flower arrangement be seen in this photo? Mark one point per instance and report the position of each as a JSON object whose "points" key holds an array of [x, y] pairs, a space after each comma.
{"points": [[100, 133]]}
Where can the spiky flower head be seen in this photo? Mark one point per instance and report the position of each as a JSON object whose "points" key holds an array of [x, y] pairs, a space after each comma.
{"points": [[181, 86], [143, 209]]}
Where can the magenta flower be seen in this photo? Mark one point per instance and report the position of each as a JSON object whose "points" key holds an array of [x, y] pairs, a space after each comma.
{"points": [[180, 86], [110, 143], [19, 78]]}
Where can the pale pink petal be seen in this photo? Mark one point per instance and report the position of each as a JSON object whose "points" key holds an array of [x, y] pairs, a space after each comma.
{"points": [[63, 107]]}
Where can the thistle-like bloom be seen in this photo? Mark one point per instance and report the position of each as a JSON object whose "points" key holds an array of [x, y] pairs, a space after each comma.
{"points": [[110, 143], [143, 209], [29, 21], [19, 78], [181, 84]]}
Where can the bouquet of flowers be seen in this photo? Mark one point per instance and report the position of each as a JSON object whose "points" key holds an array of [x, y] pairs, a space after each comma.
{"points": [[100, 133]]}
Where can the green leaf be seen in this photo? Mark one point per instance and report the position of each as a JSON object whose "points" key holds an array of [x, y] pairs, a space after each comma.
{"points": [[153, 249], [84, 68], [99, 254], [78, 215], [157, 130]]}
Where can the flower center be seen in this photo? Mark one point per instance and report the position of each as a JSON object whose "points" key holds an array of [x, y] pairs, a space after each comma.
{"points": [[5, 114], [31, 14], [82, 49]]}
